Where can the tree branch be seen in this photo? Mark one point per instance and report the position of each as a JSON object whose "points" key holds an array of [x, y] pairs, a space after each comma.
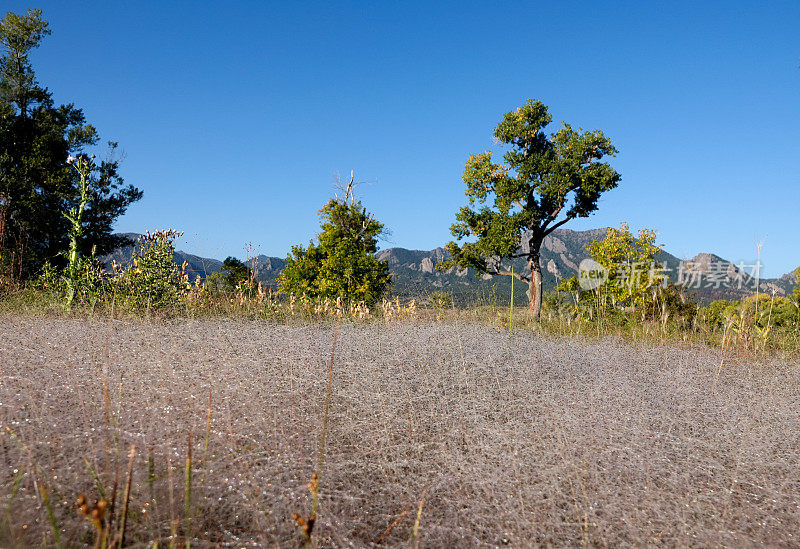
{"points": [[497, 269], [503, 272], [557, 225], [551, 217], [348, 195], [365, 225]]}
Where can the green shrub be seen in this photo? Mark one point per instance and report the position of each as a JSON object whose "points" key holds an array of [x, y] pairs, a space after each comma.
{"points": [[237, 276], [441, 299], [673, 301], [152, 281], [559, 300], [770, 311], [89, 285], [718, 312], [342, 264]]}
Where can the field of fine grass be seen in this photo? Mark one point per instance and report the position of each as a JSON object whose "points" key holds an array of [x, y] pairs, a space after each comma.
{"points": [[441, 434]]}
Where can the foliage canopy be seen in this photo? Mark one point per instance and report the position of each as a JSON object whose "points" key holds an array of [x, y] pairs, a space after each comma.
{"points": [[630, 262], [546, 181], [36, 184], [342, 264]]}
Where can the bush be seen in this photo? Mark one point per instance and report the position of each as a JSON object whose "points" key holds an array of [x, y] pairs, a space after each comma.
{"points": [[90, 285], [342, 264], [441, 299], [770, 311], [672, 301], [238, 276], [559, 300], [718, 312], [152, 281], [630, 263]]}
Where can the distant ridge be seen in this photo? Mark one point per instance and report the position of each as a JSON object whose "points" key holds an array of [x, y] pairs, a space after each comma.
{"points": [[414, 273]]}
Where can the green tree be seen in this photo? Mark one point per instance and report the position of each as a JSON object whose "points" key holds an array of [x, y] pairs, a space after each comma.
{"points": [[237, 274], [36, 184], [796, 291], [546, 182], [630, 263], [342, 263]]}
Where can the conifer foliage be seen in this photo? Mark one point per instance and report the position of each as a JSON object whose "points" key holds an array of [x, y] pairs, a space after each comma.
{"points": [[36, 183], [342, 264]]}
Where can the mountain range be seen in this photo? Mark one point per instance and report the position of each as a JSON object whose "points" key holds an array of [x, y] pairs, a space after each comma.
{"points": [[706, 276]]}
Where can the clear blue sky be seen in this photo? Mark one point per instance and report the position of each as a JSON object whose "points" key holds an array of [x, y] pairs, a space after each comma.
{"points": [[235, 116]]}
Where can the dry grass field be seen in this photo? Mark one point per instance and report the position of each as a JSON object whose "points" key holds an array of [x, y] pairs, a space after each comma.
{"points": [[488, 439]]}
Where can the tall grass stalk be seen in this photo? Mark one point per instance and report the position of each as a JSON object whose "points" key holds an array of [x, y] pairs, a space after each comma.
{"points": [[126, 497], [112, 506], [12, 496], [97, 482], [758, 280], [511, 309], [414, 541], [308, 525], [173, 521], [391, 526], [51, 517], [187, 493], [151, 475], [205, 444]]}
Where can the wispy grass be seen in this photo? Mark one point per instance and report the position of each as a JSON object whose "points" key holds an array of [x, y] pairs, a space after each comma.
{"points": [[752, 336], [523, 440]]}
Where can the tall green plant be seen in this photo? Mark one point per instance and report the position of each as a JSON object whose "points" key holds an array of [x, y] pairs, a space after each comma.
{"points": [[546, 181], [630, 262], [83, 166], [342, 264]]}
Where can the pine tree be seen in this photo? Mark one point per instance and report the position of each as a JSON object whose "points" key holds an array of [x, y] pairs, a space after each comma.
{"points": [[342, 263], [36, 183]]}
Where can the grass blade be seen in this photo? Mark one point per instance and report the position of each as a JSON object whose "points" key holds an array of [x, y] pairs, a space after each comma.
{"points": [[126, 497]]}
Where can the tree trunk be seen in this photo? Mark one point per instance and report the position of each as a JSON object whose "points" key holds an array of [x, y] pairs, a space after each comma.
{"points": [[3, 209], [535, 285]]}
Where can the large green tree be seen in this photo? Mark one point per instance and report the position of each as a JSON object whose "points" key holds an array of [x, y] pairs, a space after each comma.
{"points": [[342, 263], [36, 183], [546, 181]]}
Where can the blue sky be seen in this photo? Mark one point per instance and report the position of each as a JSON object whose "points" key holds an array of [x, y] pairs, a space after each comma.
{"points": [[235, 117]]}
